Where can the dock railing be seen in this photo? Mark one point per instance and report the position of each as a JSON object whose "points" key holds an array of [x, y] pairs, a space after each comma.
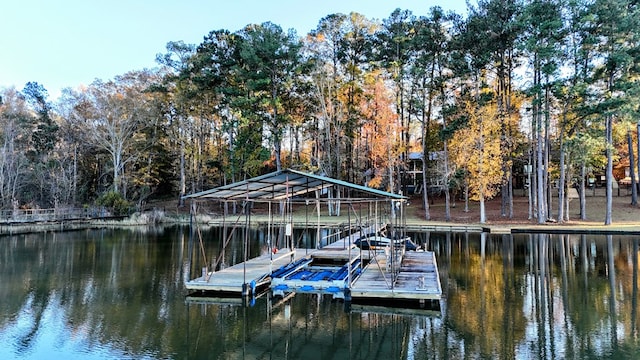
{"points": [[52, 215], [331, 237], [334, 234], [351, 231]]}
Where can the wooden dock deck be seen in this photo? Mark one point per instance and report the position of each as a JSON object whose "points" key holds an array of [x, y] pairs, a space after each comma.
{"points": [[418, 279], [252, 273], [256, 272]]}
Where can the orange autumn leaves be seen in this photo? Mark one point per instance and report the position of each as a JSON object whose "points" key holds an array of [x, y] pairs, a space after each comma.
{"points": [[380, 132]]}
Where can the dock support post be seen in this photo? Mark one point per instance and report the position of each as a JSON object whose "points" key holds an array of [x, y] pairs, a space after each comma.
{"points": [[347, 295], [249, 288]]}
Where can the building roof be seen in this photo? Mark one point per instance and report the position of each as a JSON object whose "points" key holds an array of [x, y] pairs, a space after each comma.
{"points": [[283, 184], [433, 155]]}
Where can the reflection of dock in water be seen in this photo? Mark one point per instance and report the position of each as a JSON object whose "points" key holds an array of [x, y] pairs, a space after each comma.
{"points": [[307, 326]]}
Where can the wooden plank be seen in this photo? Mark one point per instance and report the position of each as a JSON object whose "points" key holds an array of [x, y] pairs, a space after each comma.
{"points": [[418, 279], [233, 278]]}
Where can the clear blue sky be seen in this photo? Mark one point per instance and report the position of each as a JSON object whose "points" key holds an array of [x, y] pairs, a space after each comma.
{"points": [[68, 43]]}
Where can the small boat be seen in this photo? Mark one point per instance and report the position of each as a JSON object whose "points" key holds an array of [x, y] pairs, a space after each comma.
{"points": [[377, 242]]}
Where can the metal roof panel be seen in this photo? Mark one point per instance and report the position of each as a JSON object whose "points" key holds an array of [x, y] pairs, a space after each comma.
{"points": [[283, 184]]}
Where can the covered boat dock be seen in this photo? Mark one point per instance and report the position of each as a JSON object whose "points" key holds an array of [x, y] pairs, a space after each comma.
{"points": [[337, 268]]}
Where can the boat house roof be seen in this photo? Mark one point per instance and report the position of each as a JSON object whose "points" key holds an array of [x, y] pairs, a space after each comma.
{"points": [[287, 183]]}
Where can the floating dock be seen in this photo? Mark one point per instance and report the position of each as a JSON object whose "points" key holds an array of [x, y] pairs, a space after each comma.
{"points": [[258, 272], [417, 279], [340, 267], [245, 277], [341, 270]]}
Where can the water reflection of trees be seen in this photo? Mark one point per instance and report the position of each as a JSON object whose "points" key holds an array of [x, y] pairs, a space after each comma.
{"points": [[120, 293], [550, 296], [483, 298], [506, 296], [314, 327], [107, 287]]}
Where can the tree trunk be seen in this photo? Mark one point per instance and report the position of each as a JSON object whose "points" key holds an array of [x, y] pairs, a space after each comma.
{"points": [[542, 217], [632, 174], [483, 213], [540, 165], [583, 190], [75, 174], [275, 127], [447, 194], [638, 159], [466, 196], [183, 177], [609, 144], [561, 181], [445, 150], [116, 172], [568, 177], [501, 96], [510, 193], [425, 196], [530, 183], [426, 120], [278, 154], [509, 90], [547, 151]]}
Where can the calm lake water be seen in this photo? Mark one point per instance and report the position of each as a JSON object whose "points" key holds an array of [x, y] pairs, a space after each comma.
{"points": [[119, 294]]}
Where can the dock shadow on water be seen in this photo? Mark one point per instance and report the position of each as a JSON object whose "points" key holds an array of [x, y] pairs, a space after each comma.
{"points": [[120, 294], [306, 326]]}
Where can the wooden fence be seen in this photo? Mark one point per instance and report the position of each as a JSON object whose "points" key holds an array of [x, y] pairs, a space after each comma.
{"points": [[52, 215]]}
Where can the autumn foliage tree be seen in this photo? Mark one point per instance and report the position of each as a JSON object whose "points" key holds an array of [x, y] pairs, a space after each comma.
{"points": [[475, 148], [380, 135], [350, 100], [14, 144]]}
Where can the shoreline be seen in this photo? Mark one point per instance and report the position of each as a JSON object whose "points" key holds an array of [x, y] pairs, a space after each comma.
{"points": [[10, 230], [512, 227], [412, 223]]}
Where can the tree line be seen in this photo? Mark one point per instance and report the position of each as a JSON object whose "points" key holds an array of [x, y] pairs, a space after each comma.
{"points": [[536, 93]]}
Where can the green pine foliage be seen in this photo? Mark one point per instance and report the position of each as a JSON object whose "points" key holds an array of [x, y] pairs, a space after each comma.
{"points": [[560, 76]]}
